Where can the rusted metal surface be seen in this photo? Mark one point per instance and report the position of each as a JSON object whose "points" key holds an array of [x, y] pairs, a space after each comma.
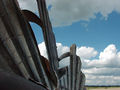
{"points": [[62, 72], [30, 16], [19, 53]]}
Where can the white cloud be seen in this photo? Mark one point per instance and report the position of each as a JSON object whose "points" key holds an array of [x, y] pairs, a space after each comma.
{"points": [[66, 12], [104, 70], [28, 4], [102, 80], [62, 49], [42, 49], [110, 57], [86, 52]]}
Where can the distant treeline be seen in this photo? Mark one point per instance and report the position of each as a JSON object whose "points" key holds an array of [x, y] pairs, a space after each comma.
{"points": [[102, 85]]}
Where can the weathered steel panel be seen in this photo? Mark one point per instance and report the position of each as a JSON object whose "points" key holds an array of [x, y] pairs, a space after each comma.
{"points": [[78, 73], [48, 35], [72, 66], [8, 44], [82, 82]]}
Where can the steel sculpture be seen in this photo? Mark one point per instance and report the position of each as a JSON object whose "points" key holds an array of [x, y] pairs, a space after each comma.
{"points": [[20, 58]]}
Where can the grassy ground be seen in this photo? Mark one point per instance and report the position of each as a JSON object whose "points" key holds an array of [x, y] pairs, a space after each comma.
{"points": [[103, 88]]}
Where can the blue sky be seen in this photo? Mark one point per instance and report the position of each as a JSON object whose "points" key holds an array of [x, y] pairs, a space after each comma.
{"points": [[97, 33], [94, 26]]}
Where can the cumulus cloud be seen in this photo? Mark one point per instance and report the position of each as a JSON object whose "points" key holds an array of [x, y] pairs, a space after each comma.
{"points": [[66, 12], [86, 52], [104, 70], [110, 57]]}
